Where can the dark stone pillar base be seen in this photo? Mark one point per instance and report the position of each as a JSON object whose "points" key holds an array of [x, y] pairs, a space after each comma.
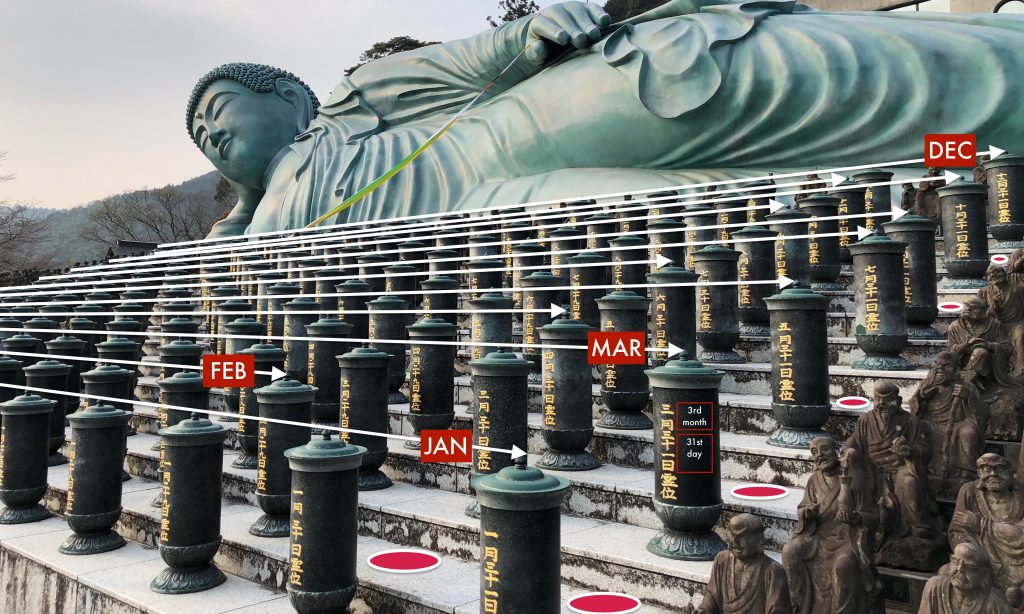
{"points": [[883, 363], [473, 509], [22, 515], [374, 479], [826, 286], [245, 461], [158, 500], [271, 526], [917, 331], [322, 601], [91, 543], [785, 437], [755, 330], [964, 283], [568, 461], [412, 445], [192, 580], [625, 421], [56, 459], [125, 476], [397, 398], [696, 546], [720, 356]]}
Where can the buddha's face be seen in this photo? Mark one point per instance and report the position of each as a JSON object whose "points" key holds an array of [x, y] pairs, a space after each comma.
{"points": [[745, 545], [823, 452], [995, 477], [974, 311], [945, 371], [241, 131], [887, 404], [996, 275], [967, 571]]}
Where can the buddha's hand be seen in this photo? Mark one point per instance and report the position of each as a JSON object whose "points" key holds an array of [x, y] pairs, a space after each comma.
{"points": [[575, 23], [967, 521]]}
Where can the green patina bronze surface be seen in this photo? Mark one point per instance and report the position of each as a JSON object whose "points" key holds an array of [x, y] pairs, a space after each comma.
{"points": [[691, 91]]}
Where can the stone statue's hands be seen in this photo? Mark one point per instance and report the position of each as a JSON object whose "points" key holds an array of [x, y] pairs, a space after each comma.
{"points": [[562, 24], [968, 521], [958, 391], [809, 513], [850, 517]]}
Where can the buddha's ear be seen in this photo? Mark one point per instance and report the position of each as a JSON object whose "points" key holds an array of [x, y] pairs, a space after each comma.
{"points": [[298, 97]]}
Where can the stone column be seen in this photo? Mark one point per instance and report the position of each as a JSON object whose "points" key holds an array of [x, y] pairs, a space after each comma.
{"points": [[965, 234], [673, 310], [490, 324], [23, 458], [756, 263], [266, 356], [629, 248], [881, 307], [536, 298], [851, 202], [626, 225], [364, 406], [718, 327], [800, 384], [388, 333], [10, 373], [438, 300], [877, 198], [520, 538], [757, 201], [663, 235], [179, 352], [499, 385], [52, 375], [792, 256], [697, 234], [329, 341], [484, 275], [920, 289], [352, 306], [567, 398], [190, 521], [687, 476], [324, 515], [823, 251], [66, 345], [1004, 178], [371, 270], [398, 280], [623, 387], [431, 376], [280, 294], [600, 228], [583, 301]]}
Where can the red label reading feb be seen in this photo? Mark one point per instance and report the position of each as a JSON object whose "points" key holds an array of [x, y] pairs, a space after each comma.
{"points": [[950, 150], [616, 348], [446, 446], [229, 370]]}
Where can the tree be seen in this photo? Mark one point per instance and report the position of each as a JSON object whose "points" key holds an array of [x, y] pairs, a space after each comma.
{"points": [[21, 231], [389, 47], [514, 9], [162, 215], [620, 10]]}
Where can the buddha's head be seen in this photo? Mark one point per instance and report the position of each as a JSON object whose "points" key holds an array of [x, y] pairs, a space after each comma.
{"points": [[746, 537], [824, 454], [887, 399], [241, 115], [996, 275], [974, 310], [994, 473], [970, 568], [946, 366]]}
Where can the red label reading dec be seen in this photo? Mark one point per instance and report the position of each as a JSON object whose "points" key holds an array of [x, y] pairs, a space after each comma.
{"points": [[950, 150], [229, 370], [616, 348], [446, 446]]}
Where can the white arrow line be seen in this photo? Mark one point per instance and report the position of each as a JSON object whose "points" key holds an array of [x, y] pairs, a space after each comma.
{"points": [[274, 374], [554, 311], [516, 452], [490, 210], [994, 152]]}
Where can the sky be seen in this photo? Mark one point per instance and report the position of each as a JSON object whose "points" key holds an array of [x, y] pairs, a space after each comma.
{"points": [[95, 90]]}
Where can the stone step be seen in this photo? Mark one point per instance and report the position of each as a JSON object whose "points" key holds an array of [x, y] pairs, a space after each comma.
{"points": [[261, 563]]}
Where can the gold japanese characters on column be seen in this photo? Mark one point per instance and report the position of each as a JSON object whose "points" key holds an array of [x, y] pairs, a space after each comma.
{"points": [[491, 573], [787, 388], [346, 405], [667, 482], [415, 372], [704, 308], [1003, 197], [483, 457], [744, 275], [869, 206], [549, 388], [963, 248], [872, 320], [295, 567], [844, 224]]}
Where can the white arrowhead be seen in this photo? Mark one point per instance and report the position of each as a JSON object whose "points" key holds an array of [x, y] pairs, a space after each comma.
{"points": [[994, 152], [276, 374], [784, 281], [673, 349], [517, 452], [556, 310], [774, 205], [862, 233], [662, 261], [897, 213], [837, 179], [950, 177]]}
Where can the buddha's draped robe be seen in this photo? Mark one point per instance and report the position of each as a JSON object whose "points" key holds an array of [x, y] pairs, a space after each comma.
{"points": [[698, 92], [938, 599], [1002, 537], [766, 591]]}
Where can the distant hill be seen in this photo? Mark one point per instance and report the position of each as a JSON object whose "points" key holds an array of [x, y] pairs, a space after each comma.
{"points": [[65, 225]]}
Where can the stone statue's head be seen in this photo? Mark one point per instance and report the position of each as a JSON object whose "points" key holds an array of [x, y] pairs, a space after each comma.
{"points": [[241, 115], [974, 309], [946, 366], [996, 275], [994, 473], [887, 399], [970, 568], [824, 454], [746, 536]]}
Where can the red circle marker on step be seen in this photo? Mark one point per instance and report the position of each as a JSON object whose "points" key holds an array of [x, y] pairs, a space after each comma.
{"points": [[604, 603], [1000, 259], [759, 492], [858, 403], [951, 307], [403, 561]]}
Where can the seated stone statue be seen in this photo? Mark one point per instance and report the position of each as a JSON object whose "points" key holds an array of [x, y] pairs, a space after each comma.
{"points": [[829, 562], [978, 175], [957, 418], [990, 512], [1015, 266], [926, 199], [907, 196], [897, 448], [1005, 302], [743, 579], [965, 586], [812, 186], [691, 91]]}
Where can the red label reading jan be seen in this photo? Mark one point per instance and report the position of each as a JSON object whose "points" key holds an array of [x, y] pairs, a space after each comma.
{"points": [[616, 348], [229, 370], [950, 150], [446, 446]]}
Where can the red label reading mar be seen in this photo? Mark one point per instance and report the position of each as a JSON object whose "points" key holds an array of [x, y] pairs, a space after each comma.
{"points": [[229, 370], [446, 446], [614, 348], [950, 150]]}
